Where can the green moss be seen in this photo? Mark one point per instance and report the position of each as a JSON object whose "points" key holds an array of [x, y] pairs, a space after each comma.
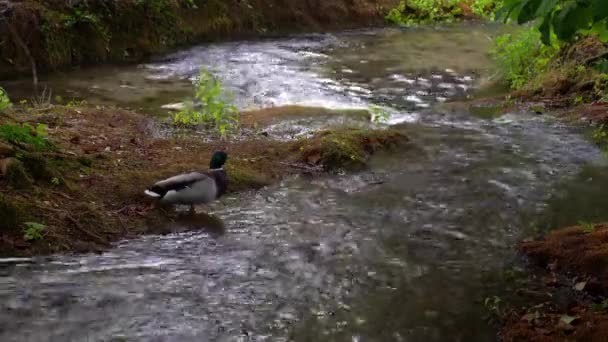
{"points": [[486, 112], [347, 148], [242, 178]]}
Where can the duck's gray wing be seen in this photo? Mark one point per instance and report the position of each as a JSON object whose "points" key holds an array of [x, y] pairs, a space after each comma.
{"points": [[177, 183]]}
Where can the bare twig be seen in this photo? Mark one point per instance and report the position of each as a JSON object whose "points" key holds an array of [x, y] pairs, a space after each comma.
{"points": [[596, 57], [42, 102], [61, 194]]}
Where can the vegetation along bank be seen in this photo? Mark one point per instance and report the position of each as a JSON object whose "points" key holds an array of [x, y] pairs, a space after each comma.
{"points": [[558, 61], [54, 34], [71, 177]]}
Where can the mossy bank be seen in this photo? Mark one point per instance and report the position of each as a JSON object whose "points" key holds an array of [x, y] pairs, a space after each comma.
{"points": [[60, 34], [87, 190]]}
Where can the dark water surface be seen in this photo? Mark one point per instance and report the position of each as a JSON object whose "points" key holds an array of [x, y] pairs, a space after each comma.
{"points": [[405, 251]]}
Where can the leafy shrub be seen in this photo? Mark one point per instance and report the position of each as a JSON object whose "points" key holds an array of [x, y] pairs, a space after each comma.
{"points": [[26, 134], [486, 8], [410, 12], [5, 102], [424, 11], [33, 231], [212, 107], [521, 57], [565, 18]]}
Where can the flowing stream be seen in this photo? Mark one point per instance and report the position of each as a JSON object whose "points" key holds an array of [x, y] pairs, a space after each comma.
{"points": [[404, 251]]}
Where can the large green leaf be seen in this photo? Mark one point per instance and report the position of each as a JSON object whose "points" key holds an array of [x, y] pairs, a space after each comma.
{"points": [[546, 7], [572, 18], [528, 11], [601, 29], [510, 9], [545, 29], [600, 9], [5, 102]]}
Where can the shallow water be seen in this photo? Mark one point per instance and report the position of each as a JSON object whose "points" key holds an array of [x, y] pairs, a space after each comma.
{"points": [[405, 251]]}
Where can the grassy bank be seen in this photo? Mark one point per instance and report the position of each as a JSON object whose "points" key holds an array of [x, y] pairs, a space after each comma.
{"points": [[82, 189], [58, 34], [560, 64]]}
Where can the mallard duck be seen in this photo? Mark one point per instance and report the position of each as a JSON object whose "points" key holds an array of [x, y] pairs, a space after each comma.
{"points": [[194, 187]]}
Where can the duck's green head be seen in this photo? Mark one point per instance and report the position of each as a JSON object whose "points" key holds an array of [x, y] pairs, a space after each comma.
{"points": [[218, 160]]}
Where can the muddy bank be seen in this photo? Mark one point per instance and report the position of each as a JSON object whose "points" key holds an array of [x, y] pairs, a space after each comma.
{"points": [[567, 295], [58, 35], [87, 191]]}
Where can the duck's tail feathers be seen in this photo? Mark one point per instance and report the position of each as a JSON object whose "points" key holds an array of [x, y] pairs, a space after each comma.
{"points": [[152, 194]]}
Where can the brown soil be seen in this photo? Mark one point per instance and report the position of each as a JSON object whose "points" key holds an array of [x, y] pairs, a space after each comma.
{"points": [[59, 35], [571, 78], [576, 250], [266, 116], [89, 191], [575, 281], [545, 324], [594, 113]]}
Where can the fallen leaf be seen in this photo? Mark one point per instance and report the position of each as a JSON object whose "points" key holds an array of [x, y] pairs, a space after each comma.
{"points": [[580, 286], [568, 319], [528, 317], [564, 327]]}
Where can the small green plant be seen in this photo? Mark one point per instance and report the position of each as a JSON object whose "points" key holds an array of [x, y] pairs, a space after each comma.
{"points": [[522, 57], [493, 305], [600, 135], [5, 101], [75, 103], [603, 306], [33, 231], [578, 100], [379, 114], [212, 107], [26, 134], [55, 181], [587, 227]]}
